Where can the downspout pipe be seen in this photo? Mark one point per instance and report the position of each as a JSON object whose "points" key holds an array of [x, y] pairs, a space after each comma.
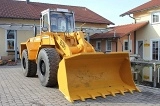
{"points": [[114, 33], [134, 34], [15, 51], [121, 43], [133, 18], [116, 40], [27, 1], [129, 41]]}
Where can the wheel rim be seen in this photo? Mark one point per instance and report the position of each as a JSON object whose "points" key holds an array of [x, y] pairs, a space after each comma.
{"points": [[24, 63], [42, 67]]}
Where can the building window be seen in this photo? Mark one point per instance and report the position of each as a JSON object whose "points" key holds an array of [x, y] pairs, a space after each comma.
{"points": [[108, 46], [156, 17], [98, 45], [126, 46], [156, 50], [10, 40]]}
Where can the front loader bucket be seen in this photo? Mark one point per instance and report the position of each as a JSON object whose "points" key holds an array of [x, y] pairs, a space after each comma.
{"points": [[91, 75]]}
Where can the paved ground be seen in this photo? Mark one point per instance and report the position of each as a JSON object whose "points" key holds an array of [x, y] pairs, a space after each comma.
{"points": [[17, 90]]}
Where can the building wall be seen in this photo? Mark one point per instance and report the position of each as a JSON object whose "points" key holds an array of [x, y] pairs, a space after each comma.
{"points": [[23, 36], [2, 42], [149, 32], [121, 43], [19, 21], [114, 45], [103, 44], [142, 16]]}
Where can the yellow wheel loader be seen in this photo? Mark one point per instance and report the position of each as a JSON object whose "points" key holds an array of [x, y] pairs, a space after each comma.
{"points": [[61, 56]]}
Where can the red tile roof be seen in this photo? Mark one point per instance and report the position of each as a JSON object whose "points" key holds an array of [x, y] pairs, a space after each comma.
{"points": [[32, 10], [146, 6], [119, 31]]}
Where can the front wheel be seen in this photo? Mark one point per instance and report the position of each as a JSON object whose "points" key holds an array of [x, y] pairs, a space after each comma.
{"points": [[47, 66]]}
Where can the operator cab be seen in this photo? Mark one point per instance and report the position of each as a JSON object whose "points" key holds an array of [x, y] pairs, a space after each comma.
{"points": [[60, 20]]}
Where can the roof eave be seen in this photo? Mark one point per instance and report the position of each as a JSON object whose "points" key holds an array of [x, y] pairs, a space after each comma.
{"points": [[128, 13], [21, 18], [105, 37]]}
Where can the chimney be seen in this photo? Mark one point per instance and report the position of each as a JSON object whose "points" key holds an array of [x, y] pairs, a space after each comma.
{"points": [[27, 1]]}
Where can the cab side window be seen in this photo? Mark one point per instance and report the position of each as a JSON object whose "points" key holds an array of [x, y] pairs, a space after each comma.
{"points": [[45, 21]]}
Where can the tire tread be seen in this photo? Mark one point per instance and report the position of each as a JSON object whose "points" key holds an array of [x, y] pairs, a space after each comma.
{"points": [[54, 60]]}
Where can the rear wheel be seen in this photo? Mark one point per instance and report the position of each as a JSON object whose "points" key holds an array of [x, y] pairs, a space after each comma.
{"points": [[47, 66], [29, 67]]}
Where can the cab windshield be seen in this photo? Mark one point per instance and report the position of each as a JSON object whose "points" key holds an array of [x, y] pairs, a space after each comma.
{"points": [[62, 22]]}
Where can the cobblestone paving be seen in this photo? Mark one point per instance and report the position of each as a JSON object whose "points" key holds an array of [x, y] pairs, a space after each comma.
{"points": [[17, 90]]}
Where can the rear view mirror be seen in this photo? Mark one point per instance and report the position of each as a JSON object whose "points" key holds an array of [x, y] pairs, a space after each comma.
{"points": [[44, 29]]}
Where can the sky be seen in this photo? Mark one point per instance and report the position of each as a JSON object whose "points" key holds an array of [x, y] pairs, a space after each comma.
{"points": [[109, 9]]}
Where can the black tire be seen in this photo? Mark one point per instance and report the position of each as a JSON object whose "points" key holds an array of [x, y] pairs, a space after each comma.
{"points": [[47, 66], [29, 67]]}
